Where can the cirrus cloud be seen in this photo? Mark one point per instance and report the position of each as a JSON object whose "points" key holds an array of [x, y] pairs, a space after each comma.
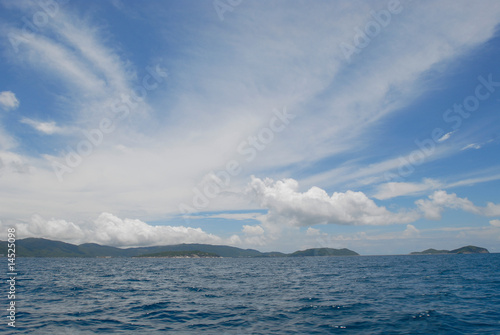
{"points": [[47, 128], [439, 200], [396, 189]]}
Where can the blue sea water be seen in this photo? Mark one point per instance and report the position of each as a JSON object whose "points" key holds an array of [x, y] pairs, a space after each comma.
{"points": [[439, 294]]}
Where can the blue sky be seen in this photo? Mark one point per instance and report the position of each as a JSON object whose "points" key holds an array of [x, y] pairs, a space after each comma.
{"points": [[276, 126]]}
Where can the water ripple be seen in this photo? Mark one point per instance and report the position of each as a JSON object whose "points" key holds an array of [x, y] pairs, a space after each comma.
{"points": [[443, 294]]}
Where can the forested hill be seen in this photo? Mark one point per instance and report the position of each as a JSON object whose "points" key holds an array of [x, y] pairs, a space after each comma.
{"points": [[39, 247], [470, 249]]}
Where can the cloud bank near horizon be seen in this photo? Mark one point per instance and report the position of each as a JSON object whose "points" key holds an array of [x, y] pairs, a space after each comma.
{"points": [[108, 229]]}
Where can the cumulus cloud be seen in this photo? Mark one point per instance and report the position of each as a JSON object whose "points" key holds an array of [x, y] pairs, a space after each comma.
{"points": [[253, 230], [439, 200], [109, 229], [411, 231], [495, 223], [227, 216], [491, 209], [313, 232], [395, 189], [256, 236], [286, 205], [8, 100], [55, 229]]}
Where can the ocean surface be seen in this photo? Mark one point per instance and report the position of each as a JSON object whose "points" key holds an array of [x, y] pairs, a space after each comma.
{"points": [[438, 294]]}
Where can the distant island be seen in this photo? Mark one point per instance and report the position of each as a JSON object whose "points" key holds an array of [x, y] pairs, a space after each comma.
{"points": [[40, 247], [470, 249], [323, 252], [181, 254]]}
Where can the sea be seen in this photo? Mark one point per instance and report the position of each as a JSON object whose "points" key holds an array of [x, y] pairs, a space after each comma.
{"points": [[424, 294]]}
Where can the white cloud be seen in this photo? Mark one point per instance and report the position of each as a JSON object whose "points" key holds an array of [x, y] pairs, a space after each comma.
{"points": [[108, 229], [368, 97], [495, 223], [73, 52], [14, 163], [8, 100], [368, 174], [227, 216], [61, 230], [471, 146], [253, 230], [472, 181], [47, 128], [62, 62], [440, 200], [411, 231], [7, 142], [313, 232], [286, 205], [446, 136], [491, 209], [256, 236], [396, 189]]}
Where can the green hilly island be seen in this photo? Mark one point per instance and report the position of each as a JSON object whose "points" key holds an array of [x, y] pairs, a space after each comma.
{"points": [[470, 249], [40, 247], [324, 252], [181, 254]]}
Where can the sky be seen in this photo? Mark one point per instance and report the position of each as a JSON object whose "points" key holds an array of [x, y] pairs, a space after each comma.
{"points": [[277, 125]]}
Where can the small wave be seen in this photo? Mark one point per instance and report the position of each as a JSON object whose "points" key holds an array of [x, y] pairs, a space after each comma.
{"points": [[150, 307]]}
